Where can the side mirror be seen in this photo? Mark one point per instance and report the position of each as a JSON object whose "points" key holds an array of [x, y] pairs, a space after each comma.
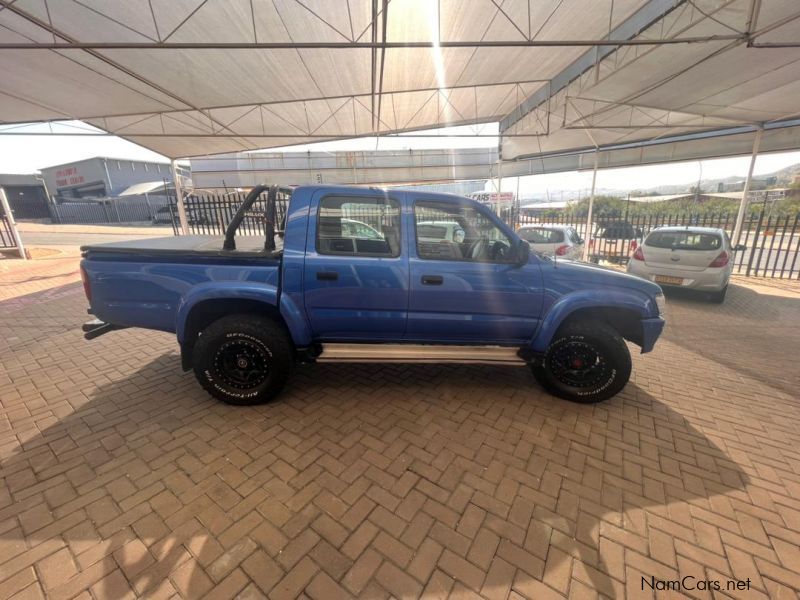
{"points": [[580, 241], [522, 253], [739, 247]]}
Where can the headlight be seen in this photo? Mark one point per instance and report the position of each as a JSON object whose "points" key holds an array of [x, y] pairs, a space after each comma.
{"points": [[661, 303]]}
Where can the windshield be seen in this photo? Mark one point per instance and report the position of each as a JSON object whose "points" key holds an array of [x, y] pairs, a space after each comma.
{"points": [[684, 240]]}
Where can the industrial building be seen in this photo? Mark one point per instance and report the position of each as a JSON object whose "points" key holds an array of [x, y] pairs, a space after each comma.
{"points": [[26, 195], [101, 177]]}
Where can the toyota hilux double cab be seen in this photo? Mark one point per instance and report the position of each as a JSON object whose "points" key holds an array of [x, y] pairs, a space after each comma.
{"points": [[316, 289]]}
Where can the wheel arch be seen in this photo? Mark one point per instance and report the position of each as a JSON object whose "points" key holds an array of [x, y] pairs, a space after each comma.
{"points": [[203, 307], [621, 311]]}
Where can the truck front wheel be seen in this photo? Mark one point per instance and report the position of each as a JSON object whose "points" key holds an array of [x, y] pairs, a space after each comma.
{"points": [[243, 359], [586, 362]]}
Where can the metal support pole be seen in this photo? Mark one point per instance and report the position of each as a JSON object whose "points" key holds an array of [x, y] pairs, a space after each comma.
{"points": [[588, 233], [150, 214], [496, 207], [12, 223], [50, 199], [499, 176], [737, 229], [179, 195]]}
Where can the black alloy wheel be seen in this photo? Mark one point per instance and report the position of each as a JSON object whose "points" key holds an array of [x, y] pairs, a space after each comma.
{"points": [[243, 359], [587, 361]]}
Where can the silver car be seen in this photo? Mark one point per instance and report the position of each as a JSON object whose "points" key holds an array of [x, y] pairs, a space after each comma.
{"points": [[553, 240], [697, 258]]}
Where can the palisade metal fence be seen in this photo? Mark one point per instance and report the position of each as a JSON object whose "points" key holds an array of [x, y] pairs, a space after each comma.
{"points": [[6, 235], [210, 214], [772, 242], [118, 210]]}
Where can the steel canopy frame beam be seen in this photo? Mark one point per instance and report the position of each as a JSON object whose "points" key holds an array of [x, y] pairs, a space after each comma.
{"points": [[474, 86], [678, 137], [379, 45], [338, 136], [623, 34]]}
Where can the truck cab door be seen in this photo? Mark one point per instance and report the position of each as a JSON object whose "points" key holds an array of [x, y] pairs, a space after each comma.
{"points": [[464, 286], [356, 274]]}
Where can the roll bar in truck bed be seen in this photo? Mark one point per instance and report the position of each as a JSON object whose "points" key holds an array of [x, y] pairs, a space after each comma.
{"points": [[270, 215]]}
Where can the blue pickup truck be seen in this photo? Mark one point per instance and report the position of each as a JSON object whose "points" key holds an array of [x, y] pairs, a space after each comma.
{"points": [[369, 275]]}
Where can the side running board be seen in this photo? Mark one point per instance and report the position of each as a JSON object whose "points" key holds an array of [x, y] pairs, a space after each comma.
{"points": [[419, 353]]}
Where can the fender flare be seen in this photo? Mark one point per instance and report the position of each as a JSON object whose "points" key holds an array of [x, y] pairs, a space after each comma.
{"points": [[566, 305], [238, 290]]}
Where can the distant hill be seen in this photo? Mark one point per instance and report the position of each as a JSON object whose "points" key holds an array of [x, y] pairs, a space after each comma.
{"points": [[783, 177]]}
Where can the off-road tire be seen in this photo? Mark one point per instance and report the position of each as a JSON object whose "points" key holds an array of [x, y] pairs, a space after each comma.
{"points": [[259, 345], [584, 339]]}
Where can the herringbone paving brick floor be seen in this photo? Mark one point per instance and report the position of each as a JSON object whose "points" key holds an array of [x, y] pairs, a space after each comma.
{"points": [[121, 478]]}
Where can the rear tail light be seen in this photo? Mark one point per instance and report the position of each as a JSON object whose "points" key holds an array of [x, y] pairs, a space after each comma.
{"points": [[638, 255], [87, 289], [562, 250], [721, 260]]}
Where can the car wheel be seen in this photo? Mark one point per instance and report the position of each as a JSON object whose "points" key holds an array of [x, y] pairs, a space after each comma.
{"points": [[586, 362], [719, 297], [243, 359]]}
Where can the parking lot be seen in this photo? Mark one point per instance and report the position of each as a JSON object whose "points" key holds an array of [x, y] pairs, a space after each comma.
{"points": [[122, 478]]}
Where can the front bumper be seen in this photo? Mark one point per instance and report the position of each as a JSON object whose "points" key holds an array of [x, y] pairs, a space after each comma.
{"points": [[651, 329]]}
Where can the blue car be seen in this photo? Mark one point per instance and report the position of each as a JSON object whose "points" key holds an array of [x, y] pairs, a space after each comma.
{"points": [[315, 289]]}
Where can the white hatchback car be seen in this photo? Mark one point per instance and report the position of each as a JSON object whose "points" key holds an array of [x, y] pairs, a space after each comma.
{"points": [[697, 258], [553, 240]]}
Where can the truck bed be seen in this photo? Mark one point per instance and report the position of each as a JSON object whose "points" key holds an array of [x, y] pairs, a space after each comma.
{"points": [[188, 245]]}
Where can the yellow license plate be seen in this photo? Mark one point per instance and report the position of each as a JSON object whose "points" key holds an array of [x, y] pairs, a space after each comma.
{"points": [[669, 280]]}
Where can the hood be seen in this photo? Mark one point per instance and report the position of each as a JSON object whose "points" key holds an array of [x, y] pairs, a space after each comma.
{"points": [[580, 275]]}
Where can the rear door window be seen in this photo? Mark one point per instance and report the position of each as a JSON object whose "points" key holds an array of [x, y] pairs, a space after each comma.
{"points": [[684, 240], [359, 226], [542, 236]]}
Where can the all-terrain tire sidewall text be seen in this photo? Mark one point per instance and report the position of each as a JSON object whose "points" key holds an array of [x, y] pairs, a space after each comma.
{"points": [[266, 342]]}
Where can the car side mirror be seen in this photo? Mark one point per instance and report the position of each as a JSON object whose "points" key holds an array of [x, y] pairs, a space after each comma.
{"points": [[739, 247], [522, 253]]}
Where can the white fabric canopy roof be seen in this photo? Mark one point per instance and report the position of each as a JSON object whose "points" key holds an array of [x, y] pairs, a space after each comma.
{"points": [[644, 93], [192, 77]]}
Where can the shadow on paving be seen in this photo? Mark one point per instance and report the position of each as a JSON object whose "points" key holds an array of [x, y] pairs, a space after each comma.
{"points": [[23, 301], [740, 334], [451, 455], [30, 318]]}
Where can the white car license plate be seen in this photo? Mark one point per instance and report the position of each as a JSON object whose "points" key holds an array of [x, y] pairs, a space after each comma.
{"points": [[668, 279]]}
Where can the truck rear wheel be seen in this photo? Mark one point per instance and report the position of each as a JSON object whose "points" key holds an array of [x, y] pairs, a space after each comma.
{"points": [[586, 362], [243, 359]]}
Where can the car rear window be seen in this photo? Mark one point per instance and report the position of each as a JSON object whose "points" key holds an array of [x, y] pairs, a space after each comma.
{"points": [[431, 231], [542, 236], [619, 232], [684, 240]]}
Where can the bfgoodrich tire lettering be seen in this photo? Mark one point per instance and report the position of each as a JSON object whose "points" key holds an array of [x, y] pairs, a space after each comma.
{"points": [[586, 362], [243, 359]]}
